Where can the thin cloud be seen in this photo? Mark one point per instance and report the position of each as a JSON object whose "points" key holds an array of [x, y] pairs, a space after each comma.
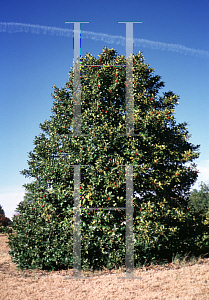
{"points": [[107, 38]]}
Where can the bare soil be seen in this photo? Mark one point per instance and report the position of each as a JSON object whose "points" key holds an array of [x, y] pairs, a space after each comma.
{"points": [[171, 281]]}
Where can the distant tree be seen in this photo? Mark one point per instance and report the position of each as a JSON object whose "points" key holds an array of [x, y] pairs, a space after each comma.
{"points": [[1, 210], [199, 199], [4, 221]]}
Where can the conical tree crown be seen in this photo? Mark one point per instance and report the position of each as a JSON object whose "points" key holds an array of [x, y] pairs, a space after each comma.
{"points": [[160, 148], [159, 151]]}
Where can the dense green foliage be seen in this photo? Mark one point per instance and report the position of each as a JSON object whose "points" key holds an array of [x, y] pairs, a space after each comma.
{"points": [[163, 224]]}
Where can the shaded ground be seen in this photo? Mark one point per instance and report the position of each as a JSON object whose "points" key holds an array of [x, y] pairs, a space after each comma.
{"points": [[171, 281]]}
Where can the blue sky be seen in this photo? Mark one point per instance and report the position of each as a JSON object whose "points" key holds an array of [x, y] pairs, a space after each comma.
{"points": [[173, 39]]}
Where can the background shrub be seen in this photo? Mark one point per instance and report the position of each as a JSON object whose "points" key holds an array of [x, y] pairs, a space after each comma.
{"points": [[4, 221]]}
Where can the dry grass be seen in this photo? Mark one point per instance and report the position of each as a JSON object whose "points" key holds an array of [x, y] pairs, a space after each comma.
{"points": [[180, 279]]}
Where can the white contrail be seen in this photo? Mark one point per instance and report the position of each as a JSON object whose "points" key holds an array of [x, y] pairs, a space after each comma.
{"points": [[107, 38]]}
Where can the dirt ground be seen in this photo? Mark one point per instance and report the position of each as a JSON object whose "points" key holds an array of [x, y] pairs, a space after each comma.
{"points": [[171, 281]]}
